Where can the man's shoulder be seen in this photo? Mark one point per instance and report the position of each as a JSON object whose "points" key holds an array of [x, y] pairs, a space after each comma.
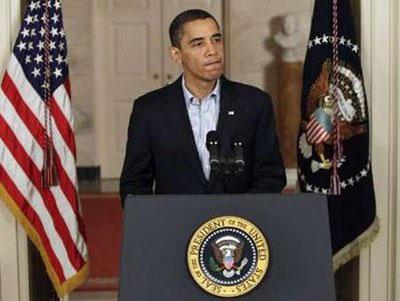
{"points": [[248, 93], [153, 97], [154, 100]]}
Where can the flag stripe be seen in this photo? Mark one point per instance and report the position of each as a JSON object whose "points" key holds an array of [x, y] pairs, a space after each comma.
{"points": [[30, 145], [63, 101], [15, 123], [63, 126], [68, 190], [323, 138], [67, 85], [36, 104], [67, 245], [12, 95], [32, 114], [312, 132], [312, 125], [31, 194], [317, 133], [35, 127], [311, 135], [36, 221]]}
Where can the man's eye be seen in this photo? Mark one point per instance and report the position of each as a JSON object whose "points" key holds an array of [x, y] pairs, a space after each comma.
{"points": [[197, 44]]}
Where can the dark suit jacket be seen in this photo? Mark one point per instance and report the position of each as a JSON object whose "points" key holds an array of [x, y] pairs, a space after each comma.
{"points": [[161, 144]]}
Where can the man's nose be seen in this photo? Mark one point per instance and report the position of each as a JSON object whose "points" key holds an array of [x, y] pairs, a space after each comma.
{"points": [[211, 49]]}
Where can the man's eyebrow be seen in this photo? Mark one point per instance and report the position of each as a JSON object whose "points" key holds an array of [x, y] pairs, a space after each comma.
{"points": [[215, 35], [196, 40]]}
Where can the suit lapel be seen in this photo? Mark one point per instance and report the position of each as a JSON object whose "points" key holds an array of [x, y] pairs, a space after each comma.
{"points": [[179, 122], [178, 119], [229, 117]]}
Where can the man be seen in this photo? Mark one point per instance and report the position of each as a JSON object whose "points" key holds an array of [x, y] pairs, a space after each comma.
{"points": [[168, 127]]}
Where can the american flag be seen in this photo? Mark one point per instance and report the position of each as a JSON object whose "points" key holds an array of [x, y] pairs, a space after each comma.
{"points": [[37, 147]]}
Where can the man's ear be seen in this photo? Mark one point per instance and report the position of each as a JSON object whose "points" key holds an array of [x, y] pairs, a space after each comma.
{"points": [[175, 53]]}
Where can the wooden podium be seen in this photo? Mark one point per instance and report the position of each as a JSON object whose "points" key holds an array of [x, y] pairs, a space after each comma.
{"points": [[158, 229]]}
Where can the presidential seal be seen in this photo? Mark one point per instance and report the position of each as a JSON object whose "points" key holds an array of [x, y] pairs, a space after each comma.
{"points": [[228, 256]]}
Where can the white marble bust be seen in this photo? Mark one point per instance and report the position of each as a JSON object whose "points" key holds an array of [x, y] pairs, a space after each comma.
{"points": [[291, 39]]}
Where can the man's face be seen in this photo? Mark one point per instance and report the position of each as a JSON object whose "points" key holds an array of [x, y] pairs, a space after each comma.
{"points": [[201, 51]]}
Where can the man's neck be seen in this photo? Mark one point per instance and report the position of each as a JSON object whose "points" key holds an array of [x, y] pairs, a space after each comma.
{"points": [[199, 88]]}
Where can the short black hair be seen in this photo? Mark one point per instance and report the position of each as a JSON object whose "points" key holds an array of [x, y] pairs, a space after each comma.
{"points": [[176, 27]]}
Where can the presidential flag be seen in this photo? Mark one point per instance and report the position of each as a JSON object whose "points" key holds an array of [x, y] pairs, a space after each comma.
{"points": [[37, 148], [333, 145]]}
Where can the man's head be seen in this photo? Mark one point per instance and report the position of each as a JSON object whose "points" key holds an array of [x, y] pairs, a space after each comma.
{"points": [[197, 45]]}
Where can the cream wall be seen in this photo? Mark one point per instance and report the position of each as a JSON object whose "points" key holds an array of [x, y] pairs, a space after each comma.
{"points": [[78, 27], [253, 55]]}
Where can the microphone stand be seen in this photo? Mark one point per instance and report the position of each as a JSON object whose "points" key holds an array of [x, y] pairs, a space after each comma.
{"points": [[232, 165], [223, 168]]}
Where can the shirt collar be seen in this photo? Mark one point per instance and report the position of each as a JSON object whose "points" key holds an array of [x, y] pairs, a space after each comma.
{"points": [[190, 98]]}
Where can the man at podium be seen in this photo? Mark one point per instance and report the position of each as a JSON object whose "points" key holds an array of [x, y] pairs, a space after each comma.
{"points": [[203, 133]]}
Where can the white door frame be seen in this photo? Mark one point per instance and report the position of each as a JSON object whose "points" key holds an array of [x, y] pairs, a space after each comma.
{"points": [[380, 47], [14, 278]]}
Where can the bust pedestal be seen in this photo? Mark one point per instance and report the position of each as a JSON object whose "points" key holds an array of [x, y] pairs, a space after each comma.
{"points": [[288, 109]]}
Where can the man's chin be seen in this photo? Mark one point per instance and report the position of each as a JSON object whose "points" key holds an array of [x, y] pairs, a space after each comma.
{"points": [[213, 76]]}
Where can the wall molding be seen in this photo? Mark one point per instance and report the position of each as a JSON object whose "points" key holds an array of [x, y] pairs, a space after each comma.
{"points": [[396, 63], [13, 242], [379, 57]]}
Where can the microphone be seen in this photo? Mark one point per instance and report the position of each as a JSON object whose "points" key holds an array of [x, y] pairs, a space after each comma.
{"points": [[239, 158], [213, 147]]}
